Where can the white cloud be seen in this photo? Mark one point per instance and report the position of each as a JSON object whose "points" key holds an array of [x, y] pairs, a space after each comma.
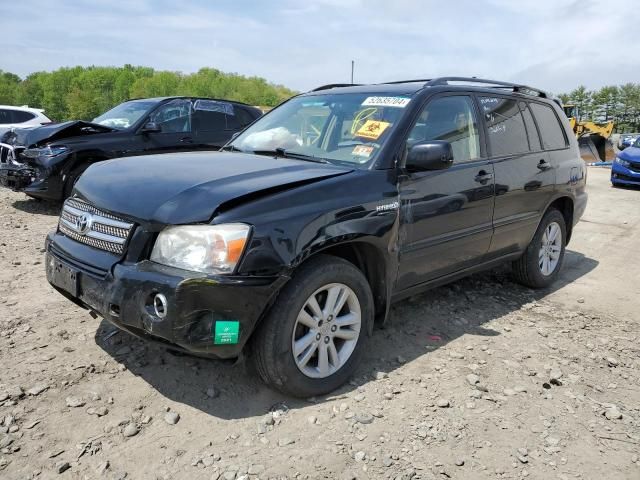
{"points": [[551, 44]]}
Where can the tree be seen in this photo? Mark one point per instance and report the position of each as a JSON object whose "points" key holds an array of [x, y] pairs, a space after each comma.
{"points": [[9, 84], [85, 92]]}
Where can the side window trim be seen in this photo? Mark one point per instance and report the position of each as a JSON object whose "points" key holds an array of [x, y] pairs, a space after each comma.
{"points": [[522, 105]]}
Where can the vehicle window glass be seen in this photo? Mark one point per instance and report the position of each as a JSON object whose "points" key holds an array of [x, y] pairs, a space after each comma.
{"points": [[506, 132], [451, 119], [244, 118], [345, 128], [126, 114], [173, 116], [5, 117], [19, 116], [214, 116], [532, 131], [552, 133]]}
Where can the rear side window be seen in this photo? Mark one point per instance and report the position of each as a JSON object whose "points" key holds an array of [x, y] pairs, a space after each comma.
{"points": [[215, 116], [532, 131], [505, 126], [551, 130], [243, 117], [5, 117], [19, 117]]}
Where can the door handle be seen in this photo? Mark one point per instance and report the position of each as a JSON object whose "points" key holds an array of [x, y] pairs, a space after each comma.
{"points": [[186, 139], [544, 165], [483, 177]]}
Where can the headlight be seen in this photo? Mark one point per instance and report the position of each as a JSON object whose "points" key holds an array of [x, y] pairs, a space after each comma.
{"points": [[45, 152], [202, 248], [622, 162]]}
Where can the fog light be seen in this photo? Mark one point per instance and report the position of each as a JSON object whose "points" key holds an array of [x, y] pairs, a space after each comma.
{"points": [[160, 305]]}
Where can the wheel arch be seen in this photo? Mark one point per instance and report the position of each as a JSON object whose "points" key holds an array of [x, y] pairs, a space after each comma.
{"points": [[81, 161], [370, 260], [564, 204]]}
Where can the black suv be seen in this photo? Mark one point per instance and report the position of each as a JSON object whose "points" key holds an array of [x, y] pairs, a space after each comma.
{"points": [[295, 239], [45, 162]]}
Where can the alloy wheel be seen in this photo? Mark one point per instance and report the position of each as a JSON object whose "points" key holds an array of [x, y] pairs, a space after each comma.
{"points": [[326, 330], [550, 249]]}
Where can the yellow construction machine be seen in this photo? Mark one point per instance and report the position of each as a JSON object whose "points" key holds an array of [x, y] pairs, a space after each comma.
{"points": [[593, 137]]}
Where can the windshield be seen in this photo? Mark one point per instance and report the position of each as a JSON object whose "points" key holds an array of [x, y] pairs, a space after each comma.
{"points": [[126, 114], [341, 128], [636, 143]]}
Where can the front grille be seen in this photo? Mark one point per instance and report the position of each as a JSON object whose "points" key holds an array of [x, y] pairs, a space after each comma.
{"points": [[87, 224], [635, 167], [7, 153], [628, 178]]}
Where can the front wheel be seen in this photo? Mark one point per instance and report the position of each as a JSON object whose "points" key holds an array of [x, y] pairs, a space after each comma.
{"points": [[541, 262], [313, 337]]}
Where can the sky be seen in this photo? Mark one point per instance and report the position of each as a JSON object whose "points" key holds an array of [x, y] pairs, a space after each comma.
{"points": [[555, 45]]}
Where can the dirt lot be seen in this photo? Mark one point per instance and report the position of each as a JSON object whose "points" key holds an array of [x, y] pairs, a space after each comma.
{"points": [[479, 379]]}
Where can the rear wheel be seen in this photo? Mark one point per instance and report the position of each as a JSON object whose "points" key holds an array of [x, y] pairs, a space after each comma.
{"points": [[541, 262], [312, 339]]}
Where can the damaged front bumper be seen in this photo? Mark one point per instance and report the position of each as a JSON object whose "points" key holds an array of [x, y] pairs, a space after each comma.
{"points": [[33, 179], [16, 177], [13, 174], [30, 180], [165, 305]]}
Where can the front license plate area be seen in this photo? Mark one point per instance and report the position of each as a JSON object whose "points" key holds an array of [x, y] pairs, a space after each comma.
{"points": [[65, 277]]}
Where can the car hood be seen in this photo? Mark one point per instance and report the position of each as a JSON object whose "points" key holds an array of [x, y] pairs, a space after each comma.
{"points": [[191, 187], [30, 137], [631, 154]]}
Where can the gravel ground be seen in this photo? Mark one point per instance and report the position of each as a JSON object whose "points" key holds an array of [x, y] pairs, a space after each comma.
{"points": [[479, 379]]}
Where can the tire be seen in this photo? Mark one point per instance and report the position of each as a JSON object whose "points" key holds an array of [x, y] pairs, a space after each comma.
{"points": [[71, 180], [529, 269], [273, 342]]}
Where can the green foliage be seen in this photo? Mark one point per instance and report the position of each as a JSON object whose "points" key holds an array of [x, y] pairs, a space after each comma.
{"points": [[620, 104], [86, 92], [9, 84]]}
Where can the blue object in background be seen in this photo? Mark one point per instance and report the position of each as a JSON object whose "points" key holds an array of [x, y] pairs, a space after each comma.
{"points": [[626, 140], [625, 169]]}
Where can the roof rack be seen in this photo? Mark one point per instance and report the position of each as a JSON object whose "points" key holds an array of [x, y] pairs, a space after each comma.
{"points": [[407, 81], [516, 87], [335, 85]]}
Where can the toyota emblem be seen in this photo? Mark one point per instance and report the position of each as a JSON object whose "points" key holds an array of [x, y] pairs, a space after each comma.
{"points": [[83, 223]]}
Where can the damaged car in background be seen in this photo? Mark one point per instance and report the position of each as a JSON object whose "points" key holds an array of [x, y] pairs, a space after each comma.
{"points": [[46, 162]]}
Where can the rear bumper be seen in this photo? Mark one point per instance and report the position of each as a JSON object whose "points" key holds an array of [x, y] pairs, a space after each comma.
{"points": [[579, 206], [195, 302]]}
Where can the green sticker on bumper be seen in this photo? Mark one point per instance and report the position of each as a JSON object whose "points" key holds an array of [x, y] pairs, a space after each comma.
{"points": [[226, 332]]}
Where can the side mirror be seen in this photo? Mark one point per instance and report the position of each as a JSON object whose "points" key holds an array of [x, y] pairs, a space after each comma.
{"points": [[151, 127], [431, 155]]}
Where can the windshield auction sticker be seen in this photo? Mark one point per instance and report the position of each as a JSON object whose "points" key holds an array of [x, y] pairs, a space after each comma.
{"points": [[362, 151], [399, 102], [372, 129]]}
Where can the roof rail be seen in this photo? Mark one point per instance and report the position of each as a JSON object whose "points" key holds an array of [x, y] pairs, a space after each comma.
{"points": [[421, 80], [335, 85], [516, 87]]}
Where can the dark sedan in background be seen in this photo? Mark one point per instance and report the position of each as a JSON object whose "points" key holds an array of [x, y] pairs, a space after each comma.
{"points": [[45, 162]]}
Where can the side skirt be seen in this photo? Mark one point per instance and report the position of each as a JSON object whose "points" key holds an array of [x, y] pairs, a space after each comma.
{"points": [[436, 282]]}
